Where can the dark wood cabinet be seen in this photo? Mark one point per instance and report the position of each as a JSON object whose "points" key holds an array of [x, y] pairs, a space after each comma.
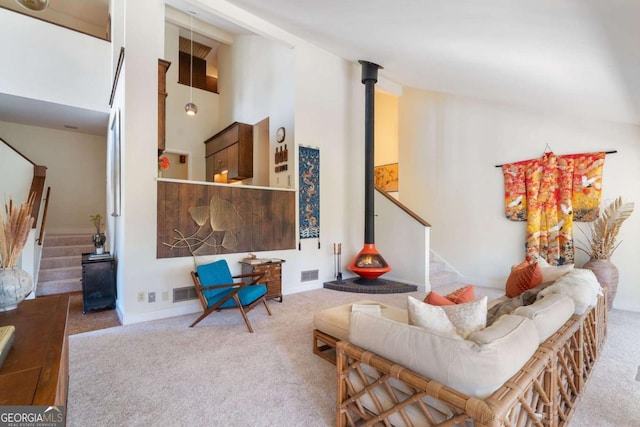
{"points": [[230, 150], [98, 282], [272, 271], [36, 370], [163, 66]]}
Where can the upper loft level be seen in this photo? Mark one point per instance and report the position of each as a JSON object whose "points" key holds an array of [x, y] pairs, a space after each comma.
{"points": [[55, 73], [90, 17]]}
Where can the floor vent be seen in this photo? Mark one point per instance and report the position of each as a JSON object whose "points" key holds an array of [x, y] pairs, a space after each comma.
{"points": [[184, 294], [309, 275]]}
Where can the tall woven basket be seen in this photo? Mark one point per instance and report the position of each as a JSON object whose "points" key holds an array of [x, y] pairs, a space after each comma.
{"points": [[607, 274]]}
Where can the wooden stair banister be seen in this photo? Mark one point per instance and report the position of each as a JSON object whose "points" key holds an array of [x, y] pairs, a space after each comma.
{"points": [[403, 207], [44, 217], [37, 187], [37, 183]]}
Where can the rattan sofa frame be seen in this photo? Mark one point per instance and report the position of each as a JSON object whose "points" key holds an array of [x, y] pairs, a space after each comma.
{"points": [[544, 392]]}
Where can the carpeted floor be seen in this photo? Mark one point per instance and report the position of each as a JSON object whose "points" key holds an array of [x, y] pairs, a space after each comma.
{"points": [[77, 322], [165, 373]]}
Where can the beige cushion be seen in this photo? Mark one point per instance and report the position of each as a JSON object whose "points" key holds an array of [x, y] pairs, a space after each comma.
{"points": [[548, 313], [474, 369], [335, 320], [450, 320], [468, 317], [430, 317], [500, 329]]}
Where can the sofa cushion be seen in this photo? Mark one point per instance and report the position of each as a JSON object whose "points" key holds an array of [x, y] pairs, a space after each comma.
{"points": [[459, 296], [472, 368], [335, 320], [465, 318], [548, 313], [523, 276], [581, 285], [430, 317]]}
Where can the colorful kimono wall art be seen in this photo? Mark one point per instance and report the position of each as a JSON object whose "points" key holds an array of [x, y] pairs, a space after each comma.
{"points": [[586, 190], [309, 196], [550, 193], [549, 226]]}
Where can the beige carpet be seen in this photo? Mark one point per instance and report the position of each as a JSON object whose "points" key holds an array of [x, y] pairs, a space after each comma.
{"points": [[164, 373]]}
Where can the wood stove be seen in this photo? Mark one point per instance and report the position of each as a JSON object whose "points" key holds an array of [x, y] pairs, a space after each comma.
{"points": [[369, 264]]}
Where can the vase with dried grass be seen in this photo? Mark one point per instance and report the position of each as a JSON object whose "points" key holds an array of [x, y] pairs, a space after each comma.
{"points": [[15, 283], [603, 242]]}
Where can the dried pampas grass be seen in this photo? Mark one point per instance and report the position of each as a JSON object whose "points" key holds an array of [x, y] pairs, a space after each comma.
{"points": [[605, 229], [14, 230]]}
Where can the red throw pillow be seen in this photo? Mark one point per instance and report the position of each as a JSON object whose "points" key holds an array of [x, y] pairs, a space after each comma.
{"points": [[523, 277], [462, 295]]}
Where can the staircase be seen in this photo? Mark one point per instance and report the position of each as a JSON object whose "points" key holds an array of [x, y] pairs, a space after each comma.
{"points": [[439, 275], [60, 265]]}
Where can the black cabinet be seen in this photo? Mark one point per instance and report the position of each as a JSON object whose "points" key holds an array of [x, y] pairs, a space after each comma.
{"points": [[98, 281]]}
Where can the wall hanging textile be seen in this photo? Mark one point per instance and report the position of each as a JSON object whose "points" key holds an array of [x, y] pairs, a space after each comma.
{"points": [[309, 196], [586, 192], [550, 193]]}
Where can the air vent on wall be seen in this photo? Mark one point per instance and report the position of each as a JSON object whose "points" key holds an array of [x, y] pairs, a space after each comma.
{"points": [[309, 275], [184, 294]]}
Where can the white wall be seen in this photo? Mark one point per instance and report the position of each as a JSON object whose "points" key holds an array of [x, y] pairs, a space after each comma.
{"points": [[449, 147], [16, 173], [259, 83], [321, 98], [187, 133], [69, 68], [76, 172]]}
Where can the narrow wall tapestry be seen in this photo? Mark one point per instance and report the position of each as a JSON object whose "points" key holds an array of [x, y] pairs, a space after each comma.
{"points": [[386, 177], [309, 192], [550, 193]]}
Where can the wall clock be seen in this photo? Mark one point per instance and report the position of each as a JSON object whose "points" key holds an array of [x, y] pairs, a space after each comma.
{"points": [[280, 134]]}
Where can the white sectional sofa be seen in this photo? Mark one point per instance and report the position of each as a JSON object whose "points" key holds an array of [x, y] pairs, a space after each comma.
{"points": [[528, 368]]}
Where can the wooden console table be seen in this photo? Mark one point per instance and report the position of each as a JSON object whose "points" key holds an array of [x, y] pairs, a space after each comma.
{"points": [[36, 370], [272, 271]]}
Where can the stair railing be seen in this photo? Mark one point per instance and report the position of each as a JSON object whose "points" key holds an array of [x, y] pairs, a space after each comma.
{"points": [[44, 217]]}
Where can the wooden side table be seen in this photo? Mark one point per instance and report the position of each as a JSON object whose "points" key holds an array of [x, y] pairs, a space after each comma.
{"points": [[98, 282], [272, 270]]}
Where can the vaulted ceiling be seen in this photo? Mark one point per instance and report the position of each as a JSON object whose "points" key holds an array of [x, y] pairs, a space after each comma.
{"points": [[573, 57], [570, 56]]}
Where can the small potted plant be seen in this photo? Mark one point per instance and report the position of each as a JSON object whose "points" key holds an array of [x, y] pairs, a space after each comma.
{"points": [[99, 238]]}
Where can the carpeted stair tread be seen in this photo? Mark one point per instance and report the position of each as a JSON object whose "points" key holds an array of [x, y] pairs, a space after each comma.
{"points": [[54, 287]]}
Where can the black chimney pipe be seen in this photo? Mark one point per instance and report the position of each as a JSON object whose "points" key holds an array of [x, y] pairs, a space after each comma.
{"points": [[369, 79]]}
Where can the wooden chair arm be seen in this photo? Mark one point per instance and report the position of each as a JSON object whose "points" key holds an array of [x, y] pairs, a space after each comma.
{"points": [[254, 281]]}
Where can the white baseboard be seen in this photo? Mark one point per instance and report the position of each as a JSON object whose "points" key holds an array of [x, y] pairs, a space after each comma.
{"points": [[180, 310]]}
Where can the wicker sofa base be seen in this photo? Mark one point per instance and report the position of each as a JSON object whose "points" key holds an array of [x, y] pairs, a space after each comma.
{"points": [[544, 392]]}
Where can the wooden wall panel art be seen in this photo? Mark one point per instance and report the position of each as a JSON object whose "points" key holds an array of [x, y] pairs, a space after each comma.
{"points": [[197, 219]]}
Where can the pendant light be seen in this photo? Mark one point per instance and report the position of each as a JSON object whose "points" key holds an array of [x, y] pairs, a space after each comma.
{"points": [[191, 108], [35, 5]]}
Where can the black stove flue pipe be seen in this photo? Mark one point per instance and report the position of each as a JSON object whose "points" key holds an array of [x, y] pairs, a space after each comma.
{"points": [[369, 79]]}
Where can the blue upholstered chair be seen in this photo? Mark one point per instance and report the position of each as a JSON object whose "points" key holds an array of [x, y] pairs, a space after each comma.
{"points": [[217, 290]]}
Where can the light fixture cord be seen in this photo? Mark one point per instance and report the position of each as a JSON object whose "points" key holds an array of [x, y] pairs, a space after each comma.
{"points": [[191, 60]]}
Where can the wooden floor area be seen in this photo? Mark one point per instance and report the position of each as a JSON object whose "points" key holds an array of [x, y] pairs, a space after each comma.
{"points": [[78, 323]]}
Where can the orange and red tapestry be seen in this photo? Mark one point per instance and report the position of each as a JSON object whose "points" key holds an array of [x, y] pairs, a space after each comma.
{"points": [[550, 193]]}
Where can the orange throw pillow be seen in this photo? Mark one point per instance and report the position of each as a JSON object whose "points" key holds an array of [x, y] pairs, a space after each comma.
{"points": [[462, 295], [523, 277]]}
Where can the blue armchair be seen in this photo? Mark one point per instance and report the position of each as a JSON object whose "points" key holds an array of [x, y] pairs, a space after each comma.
{"points": [[217, 290]]}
